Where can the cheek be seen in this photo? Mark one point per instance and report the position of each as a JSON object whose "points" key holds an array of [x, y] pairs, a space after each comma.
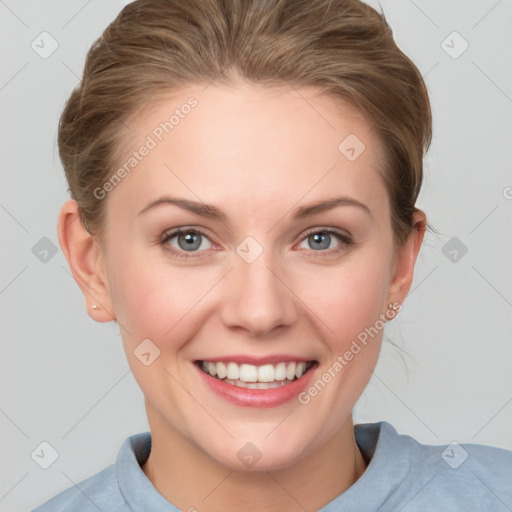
{"points": [[347, 299], [153, 300]]}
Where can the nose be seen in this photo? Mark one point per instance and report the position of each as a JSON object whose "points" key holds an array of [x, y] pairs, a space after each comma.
{"points": [[257, 297]]}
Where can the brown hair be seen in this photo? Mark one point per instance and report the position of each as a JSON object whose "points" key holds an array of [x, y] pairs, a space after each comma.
{"points": [[343, 47]]}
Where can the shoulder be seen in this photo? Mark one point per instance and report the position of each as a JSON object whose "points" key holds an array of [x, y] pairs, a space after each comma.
{"points": [[105, 490], [456, 461], [456, 476], [98, 492]]}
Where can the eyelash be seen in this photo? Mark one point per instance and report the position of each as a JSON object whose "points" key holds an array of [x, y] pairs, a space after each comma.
{"points": [[345, 240]]}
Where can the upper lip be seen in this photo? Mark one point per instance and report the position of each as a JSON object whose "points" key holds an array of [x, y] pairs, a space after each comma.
{"points": [[256, 361]]}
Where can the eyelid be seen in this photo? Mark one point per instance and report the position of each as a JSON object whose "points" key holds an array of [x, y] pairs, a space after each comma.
{"points": [[172, 232], [202, 229], [344, 235]]}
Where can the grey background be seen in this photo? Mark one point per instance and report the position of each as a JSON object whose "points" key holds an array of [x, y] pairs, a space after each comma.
{"points": [[65, 379]]}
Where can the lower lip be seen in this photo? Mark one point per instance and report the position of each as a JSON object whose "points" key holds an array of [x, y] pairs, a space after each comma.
{"points": [[257, 397]]}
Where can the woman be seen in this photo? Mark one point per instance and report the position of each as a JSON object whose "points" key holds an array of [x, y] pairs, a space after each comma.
{"points": [[243, 178]]}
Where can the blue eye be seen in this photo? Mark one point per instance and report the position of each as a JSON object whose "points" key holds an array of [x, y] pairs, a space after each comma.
{"points": [[319, 241], [324, 239], [189, 243], [187, 240]]}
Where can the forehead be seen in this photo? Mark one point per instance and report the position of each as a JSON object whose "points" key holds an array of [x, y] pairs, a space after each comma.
{"points": [[250, 146]]}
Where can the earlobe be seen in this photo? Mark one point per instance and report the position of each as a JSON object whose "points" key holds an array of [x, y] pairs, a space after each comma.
{"points": [[406, 259], [85, 260]]}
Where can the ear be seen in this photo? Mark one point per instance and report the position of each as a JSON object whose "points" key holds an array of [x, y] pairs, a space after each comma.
{"points": [[85, 259], [406, 258]]}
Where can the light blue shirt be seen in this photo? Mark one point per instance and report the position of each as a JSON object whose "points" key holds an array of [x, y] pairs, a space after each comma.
{"points": [[403, 475]]}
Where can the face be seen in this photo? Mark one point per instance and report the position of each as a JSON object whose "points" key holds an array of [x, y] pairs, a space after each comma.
{"points": [[247, 242]]}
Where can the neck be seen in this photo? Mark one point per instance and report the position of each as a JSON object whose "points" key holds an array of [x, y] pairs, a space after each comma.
{"points": [[191, 480]]}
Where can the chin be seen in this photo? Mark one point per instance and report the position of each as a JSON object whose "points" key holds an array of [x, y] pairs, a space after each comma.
{"points": [[258, 456]]}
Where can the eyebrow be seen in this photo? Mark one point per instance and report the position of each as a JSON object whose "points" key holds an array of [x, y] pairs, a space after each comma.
{"points": [[207, 210], [329, 204], [203, 209]]}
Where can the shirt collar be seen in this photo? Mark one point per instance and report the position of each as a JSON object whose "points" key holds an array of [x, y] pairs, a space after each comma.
{"points": [[389, 456]]}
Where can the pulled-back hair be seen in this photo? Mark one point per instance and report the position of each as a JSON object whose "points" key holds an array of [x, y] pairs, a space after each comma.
{"points": [[343, 47]]}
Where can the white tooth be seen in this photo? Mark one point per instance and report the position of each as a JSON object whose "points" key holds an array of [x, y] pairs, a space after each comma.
{"points": [[258, 385], [212, 369], [301, 368], [248, 373], [280, 374], [269, 385], [266, 373], [280, 371], [290, 371], [221, 370], [232, 371]]}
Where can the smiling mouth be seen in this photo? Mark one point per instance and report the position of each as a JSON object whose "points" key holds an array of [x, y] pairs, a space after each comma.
{"points": [[249, 376]]}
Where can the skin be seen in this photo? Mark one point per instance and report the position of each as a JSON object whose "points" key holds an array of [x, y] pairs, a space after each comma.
{"points": [[257, 154]]}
